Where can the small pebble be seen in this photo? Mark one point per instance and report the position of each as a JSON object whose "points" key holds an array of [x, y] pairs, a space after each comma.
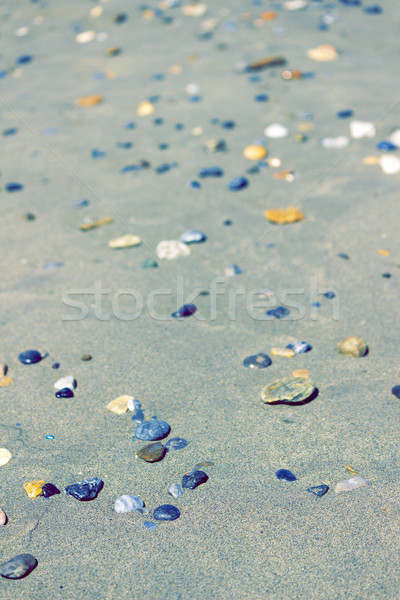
{"points": [[350, 484], [170, 249], [373, 9], [285, 475], [86, 357], [65, 382], [336, 143], [257, 361], [284, 352], [299, 347], [127, 503], [149, 263], [192, 236], [119, 405], [323, 53], [18, 567], [149, 525], [152, 452], [30, 357], [192, 480], [289, 390], [184, 311], [232, 270], [49, 489], [175, 490], [254, 152], [318, 490], [145, 108], [34, 488], [389, 164], [386, 146], [360, 129], [126, 241], [301, 373], [238, 183], [14, 187], [396, 391], [85, 490], [55, 365], [210, 172], [3, 517], [152, 430], [280, 312], [65, 393], [276, 131], [90, 100], [290, 214], [176, 443], [5, 456], [166, 512], [345, 114], [353, 346]]}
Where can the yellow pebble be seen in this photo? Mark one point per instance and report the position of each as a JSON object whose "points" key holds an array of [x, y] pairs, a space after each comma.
{"points": [[383, 252], [5, 456], [125, 241], [5, 381], [34, 488], [175, 69], [301, 373], [145, 108], [323, 53], [90, 100], [371, 160], [148, 14], [350, 470], [286, 352], [290, 214], [254, 152], [98, 223], [119, 406]]}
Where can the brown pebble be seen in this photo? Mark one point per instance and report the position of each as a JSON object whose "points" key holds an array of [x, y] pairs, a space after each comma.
{"points": [[86, 357], [90, 100], [152, 452], [353, 346], [3, 517]]}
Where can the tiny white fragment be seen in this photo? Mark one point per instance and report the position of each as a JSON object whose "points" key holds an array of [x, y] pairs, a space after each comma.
{"points": [[276, 131], [65, 382]]}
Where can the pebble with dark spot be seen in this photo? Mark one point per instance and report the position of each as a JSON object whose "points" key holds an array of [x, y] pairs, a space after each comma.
{"points": [[238, 183], [192, 480], [152, 430], [184, 311], [210, 172], [18, 567], [30, 357], [318, 490], [65, 393], [257, 361], [166, 512], [193, 236], [152, 452], [279, 312], [285, 475], [396, 391], [299, 347], [85, 490]]}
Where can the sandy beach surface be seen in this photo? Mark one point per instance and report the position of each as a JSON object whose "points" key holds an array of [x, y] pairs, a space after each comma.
{"points": [[243, 535]]}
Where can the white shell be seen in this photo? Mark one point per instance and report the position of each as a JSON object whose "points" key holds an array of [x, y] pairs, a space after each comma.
{"points": [[360, 129], [390, 164], [276, 131], [65, 382], [169, 249], [350, 484]]}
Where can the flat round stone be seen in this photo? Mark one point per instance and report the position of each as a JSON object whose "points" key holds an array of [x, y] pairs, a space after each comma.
{"points": [[194, 479], [257, 361], [30, 357], [176, 443], [193, 236], [289, 390], [18, 567], [238, 183], [152, 430], [279, 312], [85, 490], [166, 512], [353, 346], [152, 452], [285, 475]]}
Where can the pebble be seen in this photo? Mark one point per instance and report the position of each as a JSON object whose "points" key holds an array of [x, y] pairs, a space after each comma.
{"points": [[210, 172], [34, 488], [350, 484], [86, 357], [176, 443], [149, 525], [3, 517], [232, 270], [127, 503], [299, 347], [389, 164], [264, 63], [323, 53], [119, 405], [85, 490], [65, 382], [152, 452], [89, 224], [289, 390], [65, 393], [336, 143], [394, 136], [280, 312], [192, 480], [90, 100], [166, 512], [30, 357], [254, 152], [318, 490], [18, 567], [149, 263], [290, 214], [276, 131], [396, 391], [238, 183], [145, 108], [126, 241], [345, 114], [14, 187], [85, 37], [203, 464], [184, 311], [170, 249], [152, 430], [285, 475], [49, 489], [353, 346], [300, 373], [386, 146], [133, 404], [175, 490], [361, 129], [257, 361], [285, 352], [6, 381], [193, 236], [5, 456]]}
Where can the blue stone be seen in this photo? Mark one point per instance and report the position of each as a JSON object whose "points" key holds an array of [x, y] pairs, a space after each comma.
{"points": [[81, 203], [195, 98], [176, 443], [3, 74], [386, 146], [344, 256], [257, 361], [261, 98], [163, 146], [193, 236], [49, 437], [330, 295], [316, 304], [97, 153], [18, 567], [166, 512], [136, 167], [138, 416], [254, 78], [318, 490], [124, 145], [149, 263], [10, 131], [179, 126], [49, 489], [153, 99], [130, 125], [152, 430], [24, 59], [192, 480], [120, 18], [184, 311], [227, 223], [29, 357], [158, 76], [238, 183], [345, 114], [279, 312], [299, 347], [285, 475], [373, 9], [194, 185], [54, 265], [228, 124], [149, 525], [14, 187], [163, 168], [65, 393], [210, 172], [350, 2], [85, 490], [158, 121], [396, 391], [386, 275], [56, 365]]}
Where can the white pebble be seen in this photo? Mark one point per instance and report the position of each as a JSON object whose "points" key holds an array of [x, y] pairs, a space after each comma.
{"points": [[276, 131], [192, 89], [127, 503], [175, 490], [169, 249], [85, 37], [22, 31], [360, 129], [134, 404], [390, 164], [395, 137], [65, 382], [350, 484], [338, 142], [294, 4], [102, 36]]}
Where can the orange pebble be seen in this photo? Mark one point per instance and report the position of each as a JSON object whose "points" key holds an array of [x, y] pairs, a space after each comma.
{"points": [[268, 16], [383, 252], [290, 214], [90, 100], [301, 373], [34, 488]]}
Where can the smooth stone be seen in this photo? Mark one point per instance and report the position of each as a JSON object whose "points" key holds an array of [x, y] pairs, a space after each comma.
{"points": [[285, 475], [238, 183], [149, 525], [210, 172], [145, 108], [254, 152], [3, 517], [176, 443], [89, 100], [170, 249], [281, 216], [394, 137], [257, 361], [34, 488], [65, 382], [128, 503], [85, 37], [85, 490], [330, 295], [138, 416], [166, 512], [5, 456], [360, 129], [353, 346], [30, 357], [335, 143], [350, 484], [215, 146], [196, 9], [192, 480], [318, 490], [149, 263], [292, 390], [299, 347], [389, 164], [386, 146], [202, 464], [193, 236], [65, 393], [284, 352], [152, 452], [134, 404], [18, 567], [280, 312], [49, 489], [184, 311], [119, 405], [345, 114], [322, 53], [175, 490], [396, 391], [276, 131], [232, 270], [373, 9], [125, 241], [301, 373], [152, 430]]}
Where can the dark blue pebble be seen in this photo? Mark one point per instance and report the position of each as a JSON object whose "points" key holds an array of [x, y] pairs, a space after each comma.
{"points": [[194, 99], [14, 187], [29, 357], [49, 489], [130, 125], [192, 480], [124, 145], [55, 366], [386, 146], [254, 169], [299, 347], [138, 416], [386, 275], [97, 153], [345, 114], [65, 393], [163, 168], [350, 2], [285, 475], [24, 59], [238, 183], [261, 98], [316, 304], [396, 391], [179, 126], [210, 172], [344, 256], [163, 146], [318, 490], [158, 121], [184, 311], [227, 223], [81, 203], [152, 430], [259, 361], [10, 131], [176, 443], [373, 9], [228, 124], [153, 99], [194, 185], [330, 295], [137, 167], [279, 312], [166, 512], [85, 490], [120, 18]]}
